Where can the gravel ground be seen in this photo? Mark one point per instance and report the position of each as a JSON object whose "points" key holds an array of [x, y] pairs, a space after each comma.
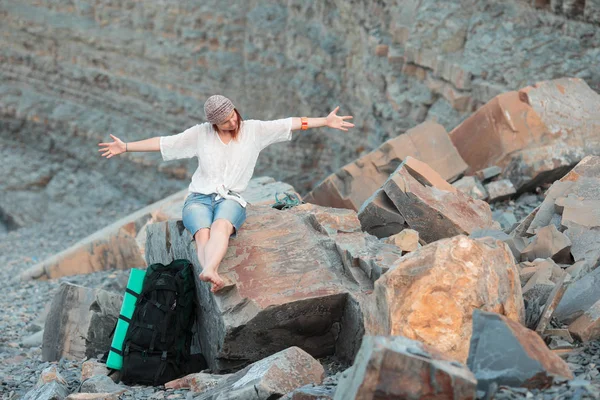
{"points": [[25, 303]]}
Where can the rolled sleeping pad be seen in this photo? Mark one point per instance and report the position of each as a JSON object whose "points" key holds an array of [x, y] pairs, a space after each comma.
{"points": [[134, 288]]}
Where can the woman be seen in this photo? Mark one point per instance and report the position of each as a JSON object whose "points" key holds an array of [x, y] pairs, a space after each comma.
{"points": [[227, 149]]}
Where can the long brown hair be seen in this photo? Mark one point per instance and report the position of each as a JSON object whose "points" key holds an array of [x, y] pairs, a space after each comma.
{"points": [[235, 133]]}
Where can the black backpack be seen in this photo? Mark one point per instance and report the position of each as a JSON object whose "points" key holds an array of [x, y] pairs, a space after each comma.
{"points": [[156, 348]]}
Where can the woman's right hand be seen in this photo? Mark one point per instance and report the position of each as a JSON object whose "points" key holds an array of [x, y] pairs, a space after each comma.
{"points": [[113, 148]]}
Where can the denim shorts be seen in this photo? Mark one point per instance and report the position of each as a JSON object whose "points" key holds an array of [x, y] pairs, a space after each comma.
{"points": [[201, 210]]}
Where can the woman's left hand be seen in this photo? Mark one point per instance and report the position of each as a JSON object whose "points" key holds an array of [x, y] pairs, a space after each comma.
{"points": [[337, 122]]}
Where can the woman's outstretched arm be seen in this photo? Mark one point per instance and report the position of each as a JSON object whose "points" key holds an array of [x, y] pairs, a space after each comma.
{"points": [[117, 146], [331, 121]]}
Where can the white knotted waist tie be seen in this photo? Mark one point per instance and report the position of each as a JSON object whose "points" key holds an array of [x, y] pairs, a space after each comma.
{"points": [[223, 193]]}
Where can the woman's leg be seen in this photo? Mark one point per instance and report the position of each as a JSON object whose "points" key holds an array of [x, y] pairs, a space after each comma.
{"points": [[201, 238], [215, 250]]}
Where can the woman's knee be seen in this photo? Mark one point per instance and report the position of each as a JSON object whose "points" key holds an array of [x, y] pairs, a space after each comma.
{"points": [[223, 226], [202, 236]]}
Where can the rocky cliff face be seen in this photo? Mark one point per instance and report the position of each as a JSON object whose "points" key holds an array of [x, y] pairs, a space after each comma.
{"points": [[71, 72]]}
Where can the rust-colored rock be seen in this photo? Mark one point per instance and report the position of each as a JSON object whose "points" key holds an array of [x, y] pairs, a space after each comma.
{"points": [[505, 352], [290, 273], [534, 134], [433, 207], [92, 368], [407, 240], [587, 326], [430, 294], [354, 183], [400, 368]]}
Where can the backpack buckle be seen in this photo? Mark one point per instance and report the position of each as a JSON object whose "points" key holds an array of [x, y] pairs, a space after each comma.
{"points": [[163, 357]]}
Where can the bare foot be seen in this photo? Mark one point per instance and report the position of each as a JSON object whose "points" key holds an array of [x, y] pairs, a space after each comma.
{"points": [[214, 278]]}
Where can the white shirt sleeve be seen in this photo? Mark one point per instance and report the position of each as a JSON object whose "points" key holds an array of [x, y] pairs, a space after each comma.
{"points": [[182, 145], [269, 132]]}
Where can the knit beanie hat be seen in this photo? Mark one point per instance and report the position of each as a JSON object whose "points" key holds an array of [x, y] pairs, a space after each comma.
{"points": [[217, 108]]}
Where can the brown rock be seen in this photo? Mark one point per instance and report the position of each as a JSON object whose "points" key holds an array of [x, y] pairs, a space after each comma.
{"points": [[529, 133], [433, 207], [271, 377], [554, 298], [290, 273], [587, 327], [500, 190], [381, 50], [79, 323], [400, 368], [548, 243], [51, 374], [352, 185], [430, 294], [92, 368], [505, 352], [94, 396], [407, 240]]}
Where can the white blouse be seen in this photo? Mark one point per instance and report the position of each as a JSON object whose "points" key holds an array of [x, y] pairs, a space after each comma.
{"points": [[224, 168]]}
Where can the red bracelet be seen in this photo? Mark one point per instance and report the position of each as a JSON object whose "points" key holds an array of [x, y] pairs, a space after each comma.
{"points": [[304, 121]]}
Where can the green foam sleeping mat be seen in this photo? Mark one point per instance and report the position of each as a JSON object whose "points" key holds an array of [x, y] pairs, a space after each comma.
{"points": [[134, 287]]}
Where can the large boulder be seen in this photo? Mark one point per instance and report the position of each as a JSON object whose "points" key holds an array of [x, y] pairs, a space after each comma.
{"points": [[121, 244], [400, 368], [430, 294], [79, 323], [356, 182], [535, 134], [292, 276], [433, 207]]}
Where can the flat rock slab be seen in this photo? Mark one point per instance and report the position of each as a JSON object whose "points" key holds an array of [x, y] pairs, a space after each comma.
{"points": [[289, 275], [430, 294], [354, 183], [400, 368], [433, 207], [269, 378], [79, 323], [504, 352], [535, 134]]}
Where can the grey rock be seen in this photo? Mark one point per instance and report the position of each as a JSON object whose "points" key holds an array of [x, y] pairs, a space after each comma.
{"points": [[48, 391], [506, 353], [80, 322], [101, 384], [34, 340], [580, 296], [379, 216]]}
